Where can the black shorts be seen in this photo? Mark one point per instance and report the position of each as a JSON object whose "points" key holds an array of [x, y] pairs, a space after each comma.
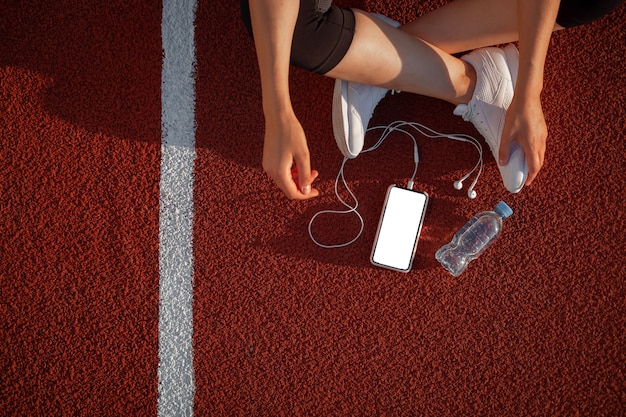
{"points": [[580, 12], [324, 32], [322, 35]]}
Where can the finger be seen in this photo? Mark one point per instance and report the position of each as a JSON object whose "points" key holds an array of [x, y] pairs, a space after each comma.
{"points": [[303, 169], [289, 185], [294, 175], [535, 162], [307, 193], [504, 153]]}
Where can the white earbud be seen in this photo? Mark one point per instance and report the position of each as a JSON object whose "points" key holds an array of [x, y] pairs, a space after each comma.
{"points": [[470, 192]]}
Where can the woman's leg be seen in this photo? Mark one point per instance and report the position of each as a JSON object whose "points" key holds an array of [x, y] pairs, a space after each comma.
{"points": [[384, 56], [464, 25], [355, 46]]}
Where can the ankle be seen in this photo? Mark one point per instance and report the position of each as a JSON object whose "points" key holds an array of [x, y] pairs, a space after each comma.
{"points": [[466, 84]]}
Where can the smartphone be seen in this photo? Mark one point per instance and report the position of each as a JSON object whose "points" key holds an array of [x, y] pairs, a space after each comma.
{"points": [[399, 229]]}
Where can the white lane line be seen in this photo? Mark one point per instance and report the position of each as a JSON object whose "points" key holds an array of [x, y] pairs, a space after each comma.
{"points": [[176, 374]]}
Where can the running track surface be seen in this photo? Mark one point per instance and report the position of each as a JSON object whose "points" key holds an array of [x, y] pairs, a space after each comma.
{"points": [[280, 326]]}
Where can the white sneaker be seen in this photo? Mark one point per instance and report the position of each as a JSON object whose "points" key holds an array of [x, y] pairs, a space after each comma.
{"points": [[496, 71], [353, 106]]}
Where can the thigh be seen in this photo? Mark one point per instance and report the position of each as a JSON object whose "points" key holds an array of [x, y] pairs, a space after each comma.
{"points": [[463, 25]]}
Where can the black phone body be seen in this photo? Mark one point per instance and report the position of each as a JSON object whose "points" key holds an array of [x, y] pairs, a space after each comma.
{"points": [[399, 228]]}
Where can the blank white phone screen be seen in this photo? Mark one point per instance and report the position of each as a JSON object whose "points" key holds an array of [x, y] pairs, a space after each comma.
{"points": [[399, 228]]}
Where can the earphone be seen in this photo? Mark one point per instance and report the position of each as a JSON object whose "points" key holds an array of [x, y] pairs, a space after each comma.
{"points": [[470, 191], [458, 184], [431, 133], [401, 127]]}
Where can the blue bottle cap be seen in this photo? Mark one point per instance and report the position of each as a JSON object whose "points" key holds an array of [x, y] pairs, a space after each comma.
{"points": [[503, 210]]}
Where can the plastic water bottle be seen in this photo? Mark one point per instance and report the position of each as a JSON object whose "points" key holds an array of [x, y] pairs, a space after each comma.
{"points": [[473, 239]]}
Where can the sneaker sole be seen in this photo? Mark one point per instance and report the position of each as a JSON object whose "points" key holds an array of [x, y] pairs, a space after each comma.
{"points": [[340, 110], [340, 124], [515, 172]]}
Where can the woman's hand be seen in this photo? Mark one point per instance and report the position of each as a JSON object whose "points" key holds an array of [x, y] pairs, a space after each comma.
{"points": [[526, 125], [286, 157], [285, 152], [525, 122]]}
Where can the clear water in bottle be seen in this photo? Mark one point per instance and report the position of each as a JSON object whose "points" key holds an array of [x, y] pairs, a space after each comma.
{"points": [[473, 239]]}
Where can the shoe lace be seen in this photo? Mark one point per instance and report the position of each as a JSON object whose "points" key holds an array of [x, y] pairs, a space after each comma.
{"points": [[469, 114]]}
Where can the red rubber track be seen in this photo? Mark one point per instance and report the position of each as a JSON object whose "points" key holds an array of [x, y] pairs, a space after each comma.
{"points": [[79, 207], [535, 327]]}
